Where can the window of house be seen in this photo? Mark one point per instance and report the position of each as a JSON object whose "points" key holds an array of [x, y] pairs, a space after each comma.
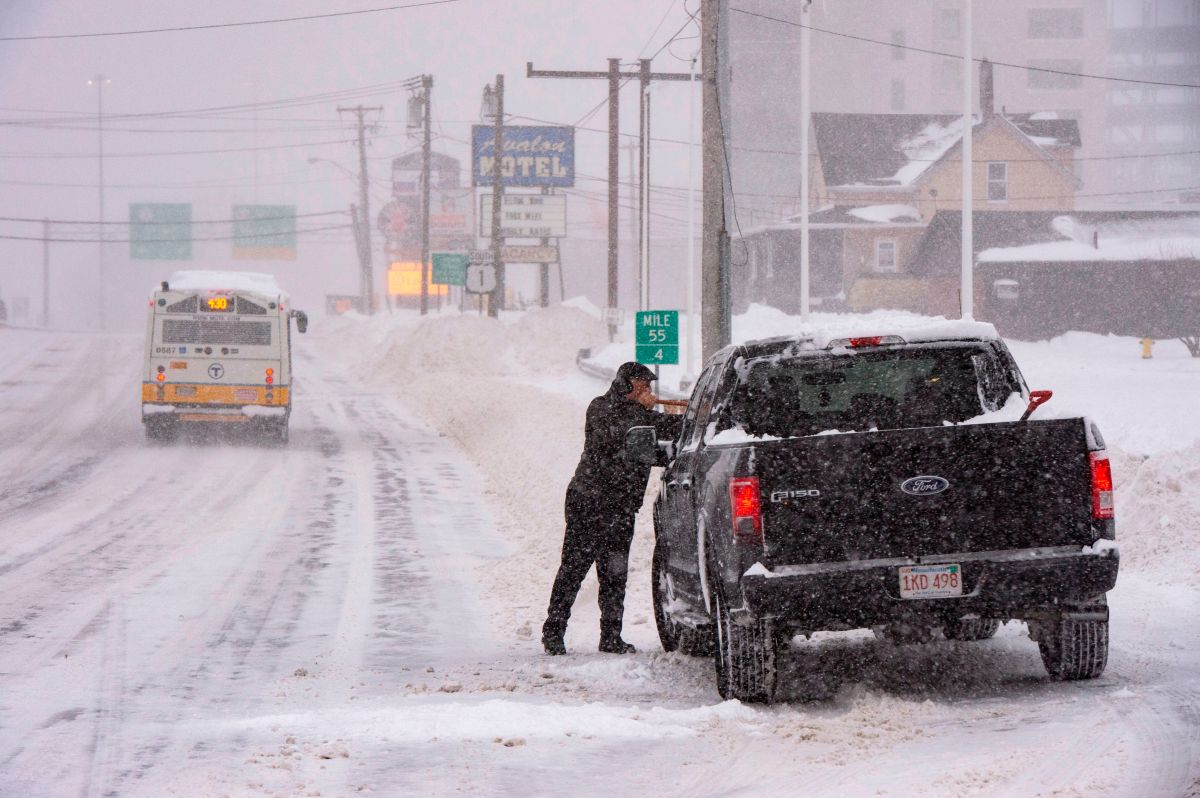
{"points": [[1063, 73], [997, 183], [1056, 23], [898, 52], [950, 23], [885, 256], [897, 95]]}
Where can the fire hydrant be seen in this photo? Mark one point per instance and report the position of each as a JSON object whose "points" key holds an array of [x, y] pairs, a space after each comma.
{"points": [[1147, 344]]}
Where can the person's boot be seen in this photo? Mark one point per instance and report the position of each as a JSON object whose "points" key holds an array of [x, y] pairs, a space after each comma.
{"points": [[613, 644], [552, 641]]}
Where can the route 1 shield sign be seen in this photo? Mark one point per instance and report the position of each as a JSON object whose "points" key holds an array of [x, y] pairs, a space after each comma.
{"points": [[481, 279]]}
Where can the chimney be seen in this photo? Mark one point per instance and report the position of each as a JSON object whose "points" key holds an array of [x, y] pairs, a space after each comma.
{"points": [[987, 92]]}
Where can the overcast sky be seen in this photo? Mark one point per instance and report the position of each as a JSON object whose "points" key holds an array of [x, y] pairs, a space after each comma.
{"points": [[462, 44]]}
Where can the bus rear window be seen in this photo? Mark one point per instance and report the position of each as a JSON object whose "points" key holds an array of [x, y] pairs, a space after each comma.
{"points": [[236, 333]]}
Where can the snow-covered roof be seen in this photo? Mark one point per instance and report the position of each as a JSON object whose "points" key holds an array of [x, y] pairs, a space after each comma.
{"points": [[204, 280], [885, 214], [1057, 237], [881, 151], [1071, 238]]}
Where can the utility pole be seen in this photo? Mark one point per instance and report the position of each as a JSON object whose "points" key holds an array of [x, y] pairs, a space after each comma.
{"points": [[967, 289], [367, 277], [613, 75], [805, 161], [98, 81], [425, 82], [644, 184], [544, 268], [635, 226], [496, 302], [714, 263]]}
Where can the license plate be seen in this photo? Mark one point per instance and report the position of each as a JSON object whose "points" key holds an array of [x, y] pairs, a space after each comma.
{"points": [[930, 581], [245, 395]]}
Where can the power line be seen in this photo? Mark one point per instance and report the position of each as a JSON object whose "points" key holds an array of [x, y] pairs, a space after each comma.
{"points": [[322, 98], [213, 26], [767, 151], [958, 56], [190, 221], [104, 240]]}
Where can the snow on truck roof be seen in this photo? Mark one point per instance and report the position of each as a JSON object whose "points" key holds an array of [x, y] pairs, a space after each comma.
{"points": [[251, 282], [912, 329]]}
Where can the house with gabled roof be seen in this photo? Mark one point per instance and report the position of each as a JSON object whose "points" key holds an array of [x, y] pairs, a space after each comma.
{"points": [[878, 179]]}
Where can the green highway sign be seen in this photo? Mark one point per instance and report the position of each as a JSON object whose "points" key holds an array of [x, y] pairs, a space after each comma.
{"points": [[450, 268], [264, 232], [656, 337], [160, 231]]}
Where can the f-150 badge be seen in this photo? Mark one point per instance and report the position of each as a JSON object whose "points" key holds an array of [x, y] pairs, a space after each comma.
{"points": [[924, 485], [784, 495]]}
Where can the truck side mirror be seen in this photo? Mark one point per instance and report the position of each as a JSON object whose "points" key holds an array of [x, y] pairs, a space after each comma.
{"points": [[1036, 400], [641, 445], [301, 320]]}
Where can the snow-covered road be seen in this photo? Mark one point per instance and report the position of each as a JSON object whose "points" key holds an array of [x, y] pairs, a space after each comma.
{"points": [[356, 613]]}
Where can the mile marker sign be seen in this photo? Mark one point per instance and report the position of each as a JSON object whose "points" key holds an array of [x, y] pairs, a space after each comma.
{"points": [[656, 336]]}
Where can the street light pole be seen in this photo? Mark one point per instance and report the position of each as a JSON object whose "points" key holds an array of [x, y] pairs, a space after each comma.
{"points": [[358, 224], [98, 81], [364, 205]]}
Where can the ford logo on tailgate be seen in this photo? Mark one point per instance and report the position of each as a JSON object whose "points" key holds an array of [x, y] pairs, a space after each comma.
{"points": [[924, 485]]}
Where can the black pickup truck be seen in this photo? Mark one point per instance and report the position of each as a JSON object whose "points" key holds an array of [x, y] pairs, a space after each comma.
{"points": [[878, 482]]}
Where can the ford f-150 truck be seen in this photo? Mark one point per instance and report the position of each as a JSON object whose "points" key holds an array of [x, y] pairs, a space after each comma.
{"points": [[880, 481]]}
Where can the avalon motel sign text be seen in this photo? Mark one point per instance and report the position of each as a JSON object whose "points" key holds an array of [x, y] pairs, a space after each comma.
{"points": [[534, 156]]}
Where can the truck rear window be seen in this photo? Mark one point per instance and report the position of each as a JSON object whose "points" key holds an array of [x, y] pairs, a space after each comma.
{"points": [[887, 389]]}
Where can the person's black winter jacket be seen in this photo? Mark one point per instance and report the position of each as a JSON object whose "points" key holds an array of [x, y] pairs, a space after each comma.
{"points": [[605, 479]]}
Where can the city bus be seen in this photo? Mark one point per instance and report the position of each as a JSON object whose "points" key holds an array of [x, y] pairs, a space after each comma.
{"points": [[219, 352]]}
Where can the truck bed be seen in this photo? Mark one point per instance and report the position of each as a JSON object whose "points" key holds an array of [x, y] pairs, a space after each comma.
{"points": [[1011, 486]]}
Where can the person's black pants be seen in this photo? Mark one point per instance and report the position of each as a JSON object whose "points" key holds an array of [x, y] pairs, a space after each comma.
{"points": [[599, 535]]}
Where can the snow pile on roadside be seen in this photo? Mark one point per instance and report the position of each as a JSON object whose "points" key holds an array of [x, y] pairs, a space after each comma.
{"points": [[467, 377]]}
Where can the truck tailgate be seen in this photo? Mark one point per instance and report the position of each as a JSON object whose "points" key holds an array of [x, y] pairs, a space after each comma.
{"points": [[1010, 486]]}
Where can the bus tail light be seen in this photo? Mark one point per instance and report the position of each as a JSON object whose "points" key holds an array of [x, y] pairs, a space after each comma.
{"points": [[270, 376], [161, 376], [1102, 485], [746, 510]]}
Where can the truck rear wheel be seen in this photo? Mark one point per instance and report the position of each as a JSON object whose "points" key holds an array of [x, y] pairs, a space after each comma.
{"points": [[673, 635], [745, 657], [1073, 648], [970, 628]]}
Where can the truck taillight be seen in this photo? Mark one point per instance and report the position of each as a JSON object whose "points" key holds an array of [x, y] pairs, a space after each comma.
{"points": [[1102, 485], [746, 510]]}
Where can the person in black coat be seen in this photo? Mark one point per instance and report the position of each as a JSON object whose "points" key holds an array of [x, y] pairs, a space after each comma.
{"points": [[601, 503]]}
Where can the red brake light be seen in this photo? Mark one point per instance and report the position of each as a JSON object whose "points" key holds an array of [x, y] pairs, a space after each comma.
{"points": [[746, 508], [161, 376], [1102, 485], [873, 340]]}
